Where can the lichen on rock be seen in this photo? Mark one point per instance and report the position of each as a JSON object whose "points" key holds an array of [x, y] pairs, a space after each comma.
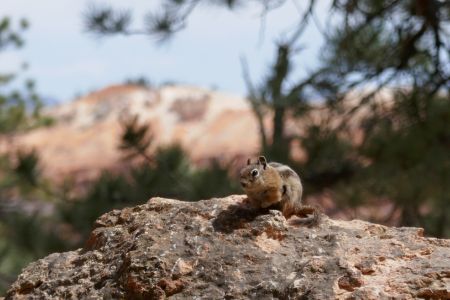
{"points": [[223, 249]]}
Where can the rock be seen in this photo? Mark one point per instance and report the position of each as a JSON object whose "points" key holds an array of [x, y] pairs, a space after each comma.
{"points": [[223, 249]]}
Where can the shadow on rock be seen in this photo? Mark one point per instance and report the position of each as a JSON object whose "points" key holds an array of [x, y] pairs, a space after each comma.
{"points": [[236, 217]]}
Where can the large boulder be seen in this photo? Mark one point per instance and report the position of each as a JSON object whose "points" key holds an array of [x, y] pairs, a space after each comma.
{"points": [[223, 249]]}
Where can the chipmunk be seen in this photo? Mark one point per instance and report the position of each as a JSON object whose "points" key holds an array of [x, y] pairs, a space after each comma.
{"points": [[276, 186]]}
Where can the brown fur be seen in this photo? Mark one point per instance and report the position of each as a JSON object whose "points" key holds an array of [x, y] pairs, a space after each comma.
{"points": [[276, 186]]}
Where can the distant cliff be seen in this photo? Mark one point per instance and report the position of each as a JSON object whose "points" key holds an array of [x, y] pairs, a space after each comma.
{"points": [[222, 249], [87, 131], [207, 124]]}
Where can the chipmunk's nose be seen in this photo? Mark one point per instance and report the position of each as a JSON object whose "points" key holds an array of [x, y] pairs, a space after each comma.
{"points": [[243, 184]]}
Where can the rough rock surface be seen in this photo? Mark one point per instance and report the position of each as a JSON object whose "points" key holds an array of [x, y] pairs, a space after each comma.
{"points": [[222, 249]]}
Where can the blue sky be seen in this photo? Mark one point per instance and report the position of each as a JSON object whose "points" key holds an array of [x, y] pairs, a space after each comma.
{"points": [[65, 60]]}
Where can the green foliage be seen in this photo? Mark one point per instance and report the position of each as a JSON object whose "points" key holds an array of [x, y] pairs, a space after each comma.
{"points": [[105, 20], [170, 176], [20, 174], [367, 43], [19, 109], [23, 236], [10, 37], [166, 173], [386, 40], [27, 167], [110, 191], [135, 138], [405, 147], [32, 235], [213, 181], [330, 158], [171, 17], [139, 81], [410, 156]]}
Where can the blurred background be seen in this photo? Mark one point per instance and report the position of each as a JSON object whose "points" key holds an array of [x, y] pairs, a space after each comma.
{"points": [[106, 104]]}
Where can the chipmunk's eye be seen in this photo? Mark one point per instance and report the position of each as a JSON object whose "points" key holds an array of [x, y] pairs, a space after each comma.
{"points": [[255, 172]]}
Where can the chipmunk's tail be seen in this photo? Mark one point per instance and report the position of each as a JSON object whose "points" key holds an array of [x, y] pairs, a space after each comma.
{"points": [[309, 215]]}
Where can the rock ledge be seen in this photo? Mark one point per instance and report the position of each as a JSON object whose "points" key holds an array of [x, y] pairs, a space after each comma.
{"points": [[222, 249]]}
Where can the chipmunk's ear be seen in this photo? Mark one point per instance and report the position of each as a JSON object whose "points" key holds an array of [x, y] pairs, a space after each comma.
{"points": [[263, 161], [248, 161]]}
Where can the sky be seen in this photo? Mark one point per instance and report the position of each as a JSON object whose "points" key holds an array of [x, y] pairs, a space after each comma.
{"points": [[65, 60]]}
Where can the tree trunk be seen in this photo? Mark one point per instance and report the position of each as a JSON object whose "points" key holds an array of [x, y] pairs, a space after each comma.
{"points": [[279, 149], [442, 225]]}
